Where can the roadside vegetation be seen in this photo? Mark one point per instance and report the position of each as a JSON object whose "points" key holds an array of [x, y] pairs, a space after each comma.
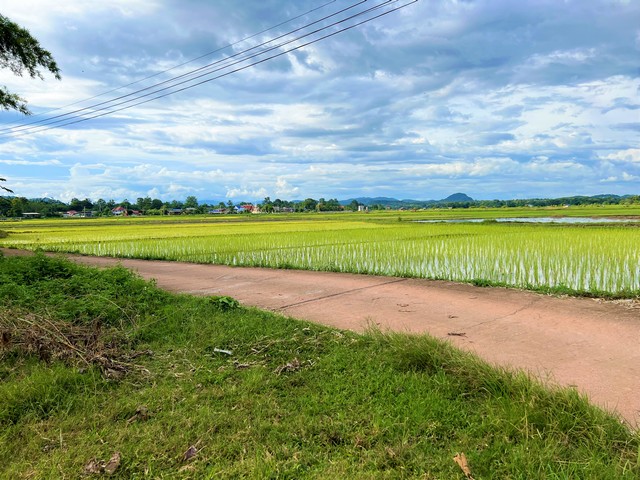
{"points": [[591, 260], [104, 373]]}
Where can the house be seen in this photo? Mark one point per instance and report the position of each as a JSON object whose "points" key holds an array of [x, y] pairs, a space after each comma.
{"points": [[119, 211], [70, 213], [217, 211], [30, 214], [174, 211], [247, 208], [283, 209]]}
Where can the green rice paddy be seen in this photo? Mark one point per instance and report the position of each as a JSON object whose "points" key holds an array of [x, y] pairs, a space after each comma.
{"points": [[584, 259]]}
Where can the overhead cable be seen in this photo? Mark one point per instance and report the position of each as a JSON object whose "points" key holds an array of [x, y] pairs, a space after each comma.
{"points": [[109, 107]]}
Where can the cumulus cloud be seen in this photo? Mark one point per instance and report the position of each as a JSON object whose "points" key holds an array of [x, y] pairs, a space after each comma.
{"points": [[245, 193], [631, 155], [493, 97], [284, 188]]}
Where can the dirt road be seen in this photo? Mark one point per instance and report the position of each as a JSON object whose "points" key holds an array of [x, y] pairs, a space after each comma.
{"points": [[590, 344]]}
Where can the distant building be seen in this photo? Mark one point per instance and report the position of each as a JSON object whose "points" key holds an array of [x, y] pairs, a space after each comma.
{"points": [[247, 208], [75, 213], [119, 211]]}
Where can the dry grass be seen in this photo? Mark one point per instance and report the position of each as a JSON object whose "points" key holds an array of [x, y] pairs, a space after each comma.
{"points": [[33, 334]]}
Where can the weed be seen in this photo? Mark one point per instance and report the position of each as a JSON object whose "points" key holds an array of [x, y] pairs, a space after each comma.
{"points": [[224, 303]]}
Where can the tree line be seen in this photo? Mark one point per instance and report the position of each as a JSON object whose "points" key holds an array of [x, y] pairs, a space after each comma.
{"points": [[12, 206]]}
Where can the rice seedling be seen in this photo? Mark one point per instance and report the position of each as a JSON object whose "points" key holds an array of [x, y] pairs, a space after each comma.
{"points": [[593, 259]]}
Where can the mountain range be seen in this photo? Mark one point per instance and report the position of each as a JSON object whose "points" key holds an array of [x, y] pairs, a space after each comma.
{"points": [[394, 202]]}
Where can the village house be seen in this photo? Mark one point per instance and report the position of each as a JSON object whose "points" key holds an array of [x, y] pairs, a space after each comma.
{"points": [[119, 211]]}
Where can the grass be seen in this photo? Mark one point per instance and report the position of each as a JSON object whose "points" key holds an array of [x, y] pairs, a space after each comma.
{"points": [[262, 396]]}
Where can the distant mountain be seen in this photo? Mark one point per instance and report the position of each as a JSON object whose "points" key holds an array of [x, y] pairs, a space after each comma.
{"points": [[604, 196], [408, 203], [371, 200], [458, 197]]}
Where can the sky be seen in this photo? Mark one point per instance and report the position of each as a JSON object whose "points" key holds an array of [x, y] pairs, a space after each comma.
{"points": [[498, 99]]}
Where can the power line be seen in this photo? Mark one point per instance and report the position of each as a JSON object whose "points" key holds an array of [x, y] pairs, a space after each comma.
{"points": [[76, 113], [78, 118], [217, 50], [70, 120]]}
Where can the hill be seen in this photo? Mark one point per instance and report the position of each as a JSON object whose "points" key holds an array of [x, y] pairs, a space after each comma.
{"points": [[407, 203], [458, 197]]}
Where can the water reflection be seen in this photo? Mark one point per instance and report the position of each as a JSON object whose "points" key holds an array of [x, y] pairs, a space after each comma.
{"points": [[569, 220]]}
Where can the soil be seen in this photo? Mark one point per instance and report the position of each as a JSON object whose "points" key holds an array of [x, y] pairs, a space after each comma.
{"points": [[588, 344]]}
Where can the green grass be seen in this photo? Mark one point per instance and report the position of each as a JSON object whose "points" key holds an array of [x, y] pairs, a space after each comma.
{"points": [[292, 400]]}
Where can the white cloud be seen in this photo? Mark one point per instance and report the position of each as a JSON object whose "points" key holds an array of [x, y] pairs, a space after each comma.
{"points": [[623, 177], [42, 163], [630, 155], [494, 97], [283, 187], [245, 193], [579, 55]]}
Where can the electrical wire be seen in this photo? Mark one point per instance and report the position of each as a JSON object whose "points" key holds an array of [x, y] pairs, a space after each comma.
{"points": [[208, 54], [128, 103], [74, 113]]}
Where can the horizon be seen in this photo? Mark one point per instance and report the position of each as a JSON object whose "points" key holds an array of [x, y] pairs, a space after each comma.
{"points": [[509, 100], [214, 202]]}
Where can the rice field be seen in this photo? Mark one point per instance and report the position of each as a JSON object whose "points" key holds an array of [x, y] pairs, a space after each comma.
{"points": [[593, 259]]}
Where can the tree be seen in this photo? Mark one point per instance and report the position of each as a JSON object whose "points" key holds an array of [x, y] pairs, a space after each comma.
{"points": [[17, 206], [80, 205], [267, 205], [20, 52], [100, 206], [191, 202], [5, 206], [308, 204]]}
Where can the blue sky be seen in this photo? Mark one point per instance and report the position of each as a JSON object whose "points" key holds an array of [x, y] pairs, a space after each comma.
{"points": [[497, 99]]}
